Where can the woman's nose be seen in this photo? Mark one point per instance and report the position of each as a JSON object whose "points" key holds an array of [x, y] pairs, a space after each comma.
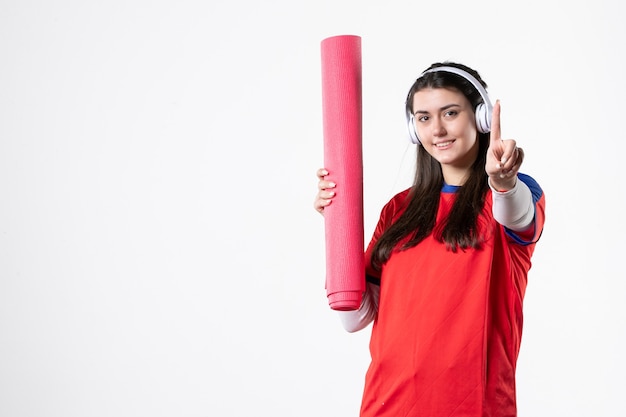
{"points": [[438, 128]]}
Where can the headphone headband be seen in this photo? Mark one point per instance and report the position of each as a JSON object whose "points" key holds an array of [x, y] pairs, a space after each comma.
{"points": [[483, 111]]}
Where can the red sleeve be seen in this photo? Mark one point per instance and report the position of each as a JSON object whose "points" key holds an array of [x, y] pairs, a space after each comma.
{"points": [[390, 213]]}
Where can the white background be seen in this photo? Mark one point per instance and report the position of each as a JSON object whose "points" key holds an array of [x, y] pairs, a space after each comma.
{"points": [[159, 253]]}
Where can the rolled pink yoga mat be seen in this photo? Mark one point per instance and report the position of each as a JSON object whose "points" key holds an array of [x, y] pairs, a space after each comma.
{"points": [[343, 158]]}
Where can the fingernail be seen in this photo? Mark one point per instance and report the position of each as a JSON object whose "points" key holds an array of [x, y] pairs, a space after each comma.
{"points": [[331, 184], [503, 161]]}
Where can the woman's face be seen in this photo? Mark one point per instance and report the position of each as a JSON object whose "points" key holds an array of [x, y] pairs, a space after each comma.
{"points": [[445, 123]]}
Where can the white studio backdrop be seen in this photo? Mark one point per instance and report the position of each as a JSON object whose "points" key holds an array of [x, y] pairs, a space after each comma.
{"points": [[159, 253]]}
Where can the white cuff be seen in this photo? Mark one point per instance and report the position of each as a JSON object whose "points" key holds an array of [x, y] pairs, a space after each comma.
{"points": [[514, 209], [353, 321]]}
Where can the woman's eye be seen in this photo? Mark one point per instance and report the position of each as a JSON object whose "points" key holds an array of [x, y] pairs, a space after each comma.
{"points": [[422, 119], [451, 113]]}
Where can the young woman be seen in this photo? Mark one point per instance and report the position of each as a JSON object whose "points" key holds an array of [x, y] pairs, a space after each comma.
{"points": [[448, 262]]}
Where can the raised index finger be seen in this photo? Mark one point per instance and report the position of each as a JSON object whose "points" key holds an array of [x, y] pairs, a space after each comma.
{"points": [[496, 134]]}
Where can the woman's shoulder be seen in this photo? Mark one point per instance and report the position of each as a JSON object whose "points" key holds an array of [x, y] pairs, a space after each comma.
{"points": [[397, 203], [400, 198]]}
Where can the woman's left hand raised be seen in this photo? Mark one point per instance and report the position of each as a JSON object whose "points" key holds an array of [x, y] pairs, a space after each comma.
{"points": [[504, 158]]}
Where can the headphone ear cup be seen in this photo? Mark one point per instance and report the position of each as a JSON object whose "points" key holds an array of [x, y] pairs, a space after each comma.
{"points": [[412, 131], [483, 118]]}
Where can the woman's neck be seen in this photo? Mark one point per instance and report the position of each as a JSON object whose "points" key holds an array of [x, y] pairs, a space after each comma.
{"points": [[454, 176]]}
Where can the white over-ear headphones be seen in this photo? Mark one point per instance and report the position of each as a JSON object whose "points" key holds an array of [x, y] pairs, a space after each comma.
{"points": [[483, 111]]}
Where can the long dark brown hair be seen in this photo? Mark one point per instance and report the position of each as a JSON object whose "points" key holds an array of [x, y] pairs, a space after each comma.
{"points": [[460, 229]]}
